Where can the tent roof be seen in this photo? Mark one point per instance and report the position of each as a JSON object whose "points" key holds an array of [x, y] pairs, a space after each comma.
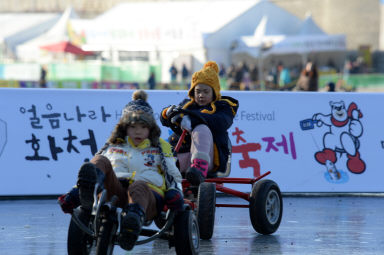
{"points": [[13, 23], [206, 16], [263, 17], [305, 37], [58, 32], [309, 27], [141, 26], [65, 46]]}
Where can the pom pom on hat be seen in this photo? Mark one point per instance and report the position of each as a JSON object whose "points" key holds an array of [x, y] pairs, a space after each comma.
{"points": [[139, 94], [138, 103], [213, 65], [209, 75]]}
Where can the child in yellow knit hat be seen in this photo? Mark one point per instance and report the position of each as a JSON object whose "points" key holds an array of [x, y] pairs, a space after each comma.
{"points": [[205, 151]]}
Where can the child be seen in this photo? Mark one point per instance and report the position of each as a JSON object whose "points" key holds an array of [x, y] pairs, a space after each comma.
{"points": [[206, 149], [134, 152]]}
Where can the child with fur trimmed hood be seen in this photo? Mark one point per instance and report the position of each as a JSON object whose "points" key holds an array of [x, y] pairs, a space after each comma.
{"points": [[206, 149], [136, 154]]}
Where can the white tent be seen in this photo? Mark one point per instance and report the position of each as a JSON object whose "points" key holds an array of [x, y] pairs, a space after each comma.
{"points": [[307, 38], [310, 38], [17, 28], [264, 18], [166, 32], [160, 25], [30, 51]]}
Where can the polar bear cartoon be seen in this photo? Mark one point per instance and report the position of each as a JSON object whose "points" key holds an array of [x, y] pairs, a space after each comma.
{"points": [[345, 129]]}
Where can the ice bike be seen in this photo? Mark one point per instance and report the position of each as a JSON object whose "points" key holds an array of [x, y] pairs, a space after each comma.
{"points": [[97, 233], [265, 199]]}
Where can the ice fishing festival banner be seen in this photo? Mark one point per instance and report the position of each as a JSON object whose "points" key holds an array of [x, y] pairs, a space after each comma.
{"points": [[311, 142]]}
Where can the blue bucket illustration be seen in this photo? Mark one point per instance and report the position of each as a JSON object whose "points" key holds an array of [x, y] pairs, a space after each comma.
{"points": [[307, 124]]}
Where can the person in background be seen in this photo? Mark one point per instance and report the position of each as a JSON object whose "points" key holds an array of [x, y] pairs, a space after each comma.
{"points": [[308, 80], [284, 75], [152, 81], [173, 71], [274, 73], [43, 76], [205, 150], [254, 76], [223, 71], [331, 87], [185, 75]]}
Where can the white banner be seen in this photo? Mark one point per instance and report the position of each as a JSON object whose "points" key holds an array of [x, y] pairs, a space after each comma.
{"points": [[311, 142]]}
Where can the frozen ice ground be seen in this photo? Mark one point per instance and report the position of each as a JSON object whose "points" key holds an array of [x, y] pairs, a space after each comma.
{"points": [[310, 225]]}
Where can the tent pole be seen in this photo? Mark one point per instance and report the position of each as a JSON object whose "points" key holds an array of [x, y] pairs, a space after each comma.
{"points": [[260, 70]]}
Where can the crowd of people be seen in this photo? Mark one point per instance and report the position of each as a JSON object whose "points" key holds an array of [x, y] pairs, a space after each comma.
{"points": [[277, 76], [246, 77]]}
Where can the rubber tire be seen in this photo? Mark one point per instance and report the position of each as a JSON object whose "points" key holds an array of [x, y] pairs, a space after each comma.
{"points": [[78, 242], [105, 241], [206, 207], [264, 205], [186, 233]]}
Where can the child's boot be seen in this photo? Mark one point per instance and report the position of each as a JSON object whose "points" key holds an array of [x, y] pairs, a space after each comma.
{"points": [[70, 200], [132, 219], [88, 176], [198, 170]]}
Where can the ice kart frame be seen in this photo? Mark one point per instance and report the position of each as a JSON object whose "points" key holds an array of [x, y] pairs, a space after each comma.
{"points": [[98, 232], [265, 200]]}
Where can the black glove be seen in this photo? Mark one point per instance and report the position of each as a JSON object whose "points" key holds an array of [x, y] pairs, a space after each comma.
{"points": [[171, 110]]}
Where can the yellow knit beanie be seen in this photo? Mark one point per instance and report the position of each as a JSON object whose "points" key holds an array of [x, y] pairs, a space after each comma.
{"points": [[209, 75]]}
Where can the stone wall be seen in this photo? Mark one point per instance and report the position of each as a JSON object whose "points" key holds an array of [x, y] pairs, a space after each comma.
{"points": [[358, 19]]}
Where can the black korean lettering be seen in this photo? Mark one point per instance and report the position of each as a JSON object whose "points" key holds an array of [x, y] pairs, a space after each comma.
{"points": [[91, 141], [70, 145], [67, 118], [53, 119], [54, 149], [35, 147], [79, 114], [104, 115], [35, 121]]}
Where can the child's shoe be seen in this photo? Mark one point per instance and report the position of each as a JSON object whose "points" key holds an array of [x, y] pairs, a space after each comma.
{"points": [[197, 172], [132, 219], [174, 199], [86, 181], [69, 201]]}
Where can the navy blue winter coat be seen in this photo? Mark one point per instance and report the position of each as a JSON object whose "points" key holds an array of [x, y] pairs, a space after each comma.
{"points": [[218, 116]]}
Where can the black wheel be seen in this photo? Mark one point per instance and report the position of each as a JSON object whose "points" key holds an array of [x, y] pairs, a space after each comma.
{"points": [[265, 207], [105, 240], [186, 233], [78, 242], [206, 207]]}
